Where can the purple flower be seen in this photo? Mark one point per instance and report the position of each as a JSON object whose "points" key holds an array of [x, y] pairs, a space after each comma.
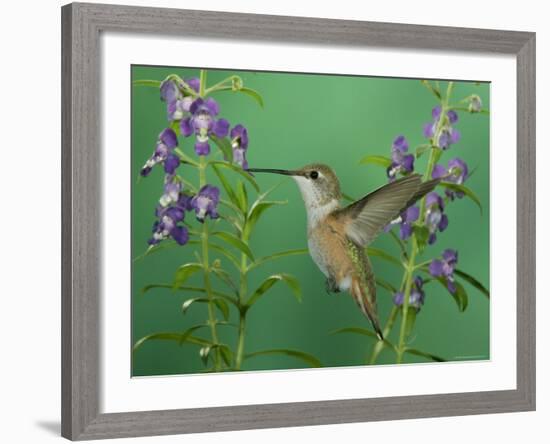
{"points": [[456, 172], [194, 83], [205, 202], [447, 137], [204, 124], [179, 108], [434, 218], [239, 143], [169, 91], [445, 268], [167, 225], [401, 162], [416, 298], [453, 116], [166, 143], [171, 163], [447, 134], [405, 220], [172, 190], [170, 212], [409, 216], [178, 101]]}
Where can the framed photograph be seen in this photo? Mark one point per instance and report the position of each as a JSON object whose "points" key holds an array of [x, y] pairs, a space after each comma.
{"points": [[279, 221]]}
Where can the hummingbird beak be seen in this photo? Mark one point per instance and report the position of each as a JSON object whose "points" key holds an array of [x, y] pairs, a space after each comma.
{"points": [[274, 171]]}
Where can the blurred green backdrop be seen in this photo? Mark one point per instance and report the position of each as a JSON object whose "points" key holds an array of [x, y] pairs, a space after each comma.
{"points": [[307, 118]]}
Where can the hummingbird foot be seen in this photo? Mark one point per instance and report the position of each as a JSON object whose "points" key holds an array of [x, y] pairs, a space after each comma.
{"points": [[331, 286]]}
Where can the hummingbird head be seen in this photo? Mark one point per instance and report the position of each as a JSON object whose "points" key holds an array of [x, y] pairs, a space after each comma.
{"points": [[318, 183]]}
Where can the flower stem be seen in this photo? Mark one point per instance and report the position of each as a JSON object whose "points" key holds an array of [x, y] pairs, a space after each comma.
{"points": [[220, 85], [422, 264], [435, 153], [379, 346], [240, 344], [410, 265], [406, 297], [206, 267], [434, 156], [202, 79], [242, 310]]}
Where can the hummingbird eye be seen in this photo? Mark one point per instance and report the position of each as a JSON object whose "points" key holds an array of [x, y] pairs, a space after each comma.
{"points": [[314, 175]]}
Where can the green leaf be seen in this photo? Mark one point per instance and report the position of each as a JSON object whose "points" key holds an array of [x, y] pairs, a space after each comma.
{"points": [[306, 357], [227, 354], [191, 301], [254, 94], [185, 158], [372, 251], [432, 89], [169, 336], [233, 208], [228, 189], [237, 169], [472, 281], [153, 83], [188, 333], [175, 126], [279, 255], [262, 196], [242, 196], [233, 221], [218, 302], [225, 277], [464, 108], [363, 332], [399, 243], [421, 149], [235, 242], [185, 272], [411, 318], [386, 285], [222, 306], [157, 336], [269, 282], [414, 351], [228, 298], [467, 192], [224, 145], [255, 213], [165, 245], [226, 253], [422, 235], [376, 160], [460, 296], [438, 152], [188, 185], [248, 91]]}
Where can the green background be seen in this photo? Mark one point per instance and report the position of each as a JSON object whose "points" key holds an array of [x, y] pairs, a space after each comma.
{"points": [[307, 118]]}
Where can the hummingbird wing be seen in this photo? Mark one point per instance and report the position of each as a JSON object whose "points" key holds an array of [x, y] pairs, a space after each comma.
{"points": [[366, 217]]}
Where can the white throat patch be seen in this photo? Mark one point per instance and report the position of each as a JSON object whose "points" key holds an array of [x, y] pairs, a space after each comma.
{"points": [[312, 200]]}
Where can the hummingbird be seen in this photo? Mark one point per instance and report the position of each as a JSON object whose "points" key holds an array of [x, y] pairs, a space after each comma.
{"points": [[338, 235]]}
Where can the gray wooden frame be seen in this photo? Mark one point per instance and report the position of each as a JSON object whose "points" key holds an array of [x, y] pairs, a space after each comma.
{"points": [[81, 26]]}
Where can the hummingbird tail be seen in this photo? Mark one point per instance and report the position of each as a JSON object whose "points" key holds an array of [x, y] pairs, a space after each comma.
{"points": [[360, 295]]}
